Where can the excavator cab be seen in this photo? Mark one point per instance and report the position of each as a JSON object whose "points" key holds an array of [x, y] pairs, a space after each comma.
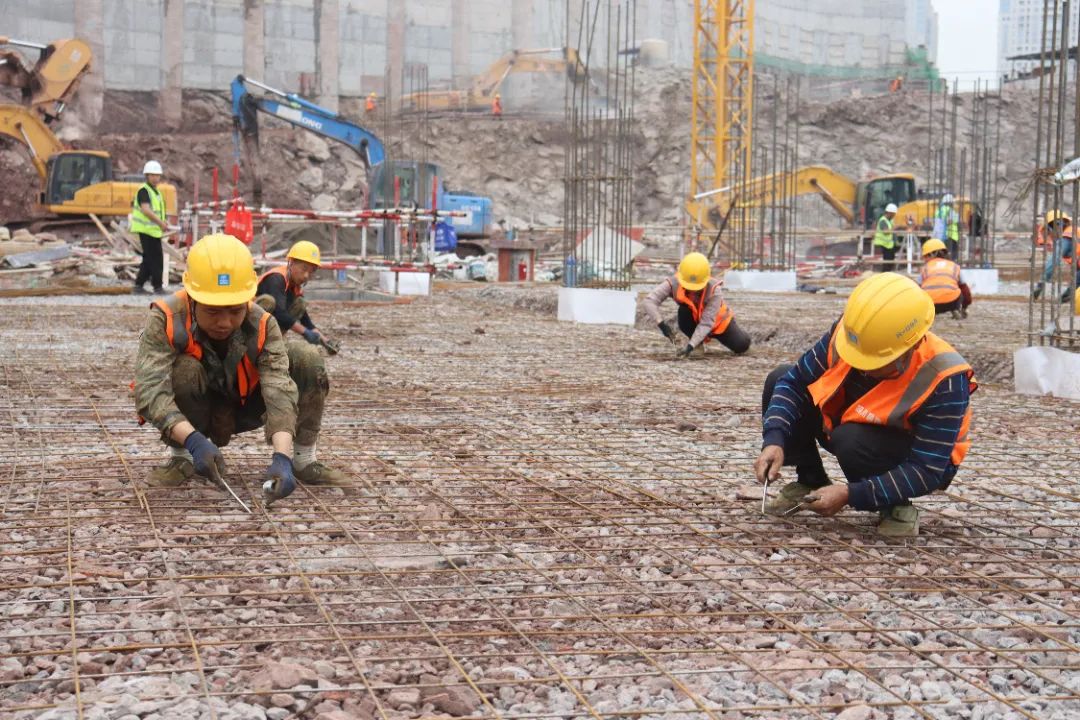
{"points": [[873, 196], [70, 172]]}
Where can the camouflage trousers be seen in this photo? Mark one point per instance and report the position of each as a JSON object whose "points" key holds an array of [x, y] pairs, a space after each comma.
{"points": [[219, 417], [297, 307]]}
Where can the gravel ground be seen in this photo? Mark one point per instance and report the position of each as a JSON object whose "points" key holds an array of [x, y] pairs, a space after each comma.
{"points": [[543, 520]]}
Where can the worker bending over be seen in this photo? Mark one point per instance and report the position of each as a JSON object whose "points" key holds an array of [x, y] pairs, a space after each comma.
{"points": [[885, 236], [941, 280], [884, 395], [281, 291], [703, 314], [212, 364]]}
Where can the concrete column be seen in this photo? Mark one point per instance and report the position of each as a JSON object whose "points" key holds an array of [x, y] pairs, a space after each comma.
{"points": [[459, 42], [254, 40], [170, 96], [90, 27], [327, 41], [395, 45]]}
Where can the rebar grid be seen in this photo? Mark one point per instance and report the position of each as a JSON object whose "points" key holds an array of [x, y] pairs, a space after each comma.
{"points": [[543, 522]]}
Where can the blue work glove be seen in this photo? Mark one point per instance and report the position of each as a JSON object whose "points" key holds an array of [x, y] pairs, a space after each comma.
{"points": [[205, 456], [312, 337], [280, 480]]}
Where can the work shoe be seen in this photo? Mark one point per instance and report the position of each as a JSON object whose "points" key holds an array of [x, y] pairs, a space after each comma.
{"points": [[139, 290], [318, 474], [789, 498], [175, 472], [1038, 291], [899, 521], [955, 314], [963, 313]]}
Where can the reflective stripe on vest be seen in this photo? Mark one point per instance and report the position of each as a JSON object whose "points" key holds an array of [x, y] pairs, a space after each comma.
{"points": [[893, 401], [178, 318], [283, 271], [723, 315], [941, 280], [140, 223], [883, 238]]}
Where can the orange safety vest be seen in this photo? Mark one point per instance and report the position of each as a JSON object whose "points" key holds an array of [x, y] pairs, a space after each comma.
{"points": [[178, 319], [283, 271], [369, 106], [941, 280], [893, 401], [1041, 239], [496, 107], [723, 316]]}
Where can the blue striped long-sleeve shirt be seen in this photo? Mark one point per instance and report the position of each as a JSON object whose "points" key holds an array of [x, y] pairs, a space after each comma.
{"points": [[936, 426]]}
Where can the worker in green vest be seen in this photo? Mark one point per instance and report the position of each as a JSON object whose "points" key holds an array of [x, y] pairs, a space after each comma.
{"points": [[947, 225], [884, 237], [148, 221]]}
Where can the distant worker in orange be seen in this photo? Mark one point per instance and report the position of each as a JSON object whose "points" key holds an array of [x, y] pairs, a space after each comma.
{"points": [[703, 313], [941, 280], [369, 106], [897, 84], [496, 106]]}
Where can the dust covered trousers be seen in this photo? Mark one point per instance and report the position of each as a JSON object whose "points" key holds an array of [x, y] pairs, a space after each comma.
{"points": [[249, 381], [703, 315]]}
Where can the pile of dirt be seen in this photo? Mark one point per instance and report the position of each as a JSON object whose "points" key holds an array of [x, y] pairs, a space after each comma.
{"points": [[516, 160]]}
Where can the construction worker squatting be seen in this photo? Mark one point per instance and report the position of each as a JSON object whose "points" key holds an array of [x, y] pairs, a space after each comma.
{"points": [[703, 313], [887, 397], [942, 280], [281, 291]]}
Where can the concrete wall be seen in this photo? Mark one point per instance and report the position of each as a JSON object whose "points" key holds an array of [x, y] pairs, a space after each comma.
{"points": [[455, 38]]}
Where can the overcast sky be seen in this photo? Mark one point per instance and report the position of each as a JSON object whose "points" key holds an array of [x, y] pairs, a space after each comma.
{"points": [[967, 40]]}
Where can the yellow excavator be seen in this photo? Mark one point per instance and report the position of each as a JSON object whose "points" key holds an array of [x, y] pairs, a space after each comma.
{"points": [[860, 204], [483, 88], [73, 182]]}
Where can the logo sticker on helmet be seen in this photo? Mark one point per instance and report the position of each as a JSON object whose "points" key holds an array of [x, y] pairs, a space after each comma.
{"points": [[852, 338], [224, 279]]}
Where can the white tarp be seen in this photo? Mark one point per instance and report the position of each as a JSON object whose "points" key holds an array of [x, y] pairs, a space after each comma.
{"points": [[1047, 371], [597, 307], [604, 252]]}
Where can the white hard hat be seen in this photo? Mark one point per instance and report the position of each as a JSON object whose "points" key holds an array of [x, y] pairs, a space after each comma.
{"points": [[891, 207], [946, 199], [152, 167]]}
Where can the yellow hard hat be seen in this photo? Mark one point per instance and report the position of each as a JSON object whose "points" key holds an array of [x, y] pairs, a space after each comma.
{"points": [[932, 245], [885, 316], [220, 271], [1052, 215], [307, 251], [694, 271]]}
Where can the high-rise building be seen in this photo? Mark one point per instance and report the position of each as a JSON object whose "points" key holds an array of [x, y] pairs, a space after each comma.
{"points": [[1020, 32]]}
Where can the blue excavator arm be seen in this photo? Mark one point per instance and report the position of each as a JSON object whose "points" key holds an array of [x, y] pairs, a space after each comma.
{"points": [[299, 112]]}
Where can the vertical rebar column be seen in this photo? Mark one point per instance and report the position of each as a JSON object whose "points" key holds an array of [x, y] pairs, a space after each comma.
{"points": [[598, 162]]}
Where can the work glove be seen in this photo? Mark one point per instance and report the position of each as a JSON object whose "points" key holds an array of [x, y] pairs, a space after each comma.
{"points": [[668, 332], [685, 352], [280, 480], [312, 336], [207, 459]]}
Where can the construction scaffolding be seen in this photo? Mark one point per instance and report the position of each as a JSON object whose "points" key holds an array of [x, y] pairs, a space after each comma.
{"points": [[598, 207], [1054, 274]]}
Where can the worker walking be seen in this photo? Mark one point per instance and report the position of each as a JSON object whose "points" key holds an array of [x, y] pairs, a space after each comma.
{"points": [[942, 281], [212, 364], [887, 397], [369, 105], [281, 291], [148, 221], [703, 313], [1057, 230], [947, 225], [496, 106], [885, 237]]}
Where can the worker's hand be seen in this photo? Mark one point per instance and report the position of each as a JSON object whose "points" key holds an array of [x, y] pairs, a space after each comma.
{"points": [[829, 500], [280, 479], [312, 336], [685, 352], [768, 464], [668, 332], [205, 456]]}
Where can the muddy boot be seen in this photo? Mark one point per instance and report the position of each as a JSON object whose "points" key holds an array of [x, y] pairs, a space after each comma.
{"points": [[963, 313], [318, 474], [1038, 291], [173, 473], [955, 314], [791, 495], [899, 521]]}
